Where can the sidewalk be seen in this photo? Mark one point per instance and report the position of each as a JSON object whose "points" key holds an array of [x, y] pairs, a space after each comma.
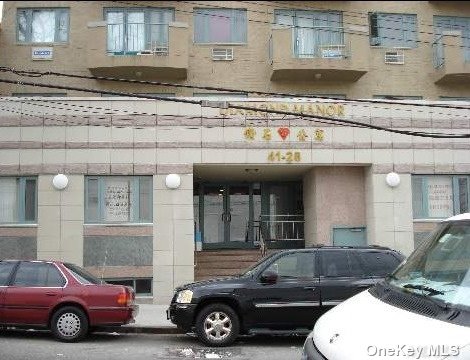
{"points": [[151, 319]]}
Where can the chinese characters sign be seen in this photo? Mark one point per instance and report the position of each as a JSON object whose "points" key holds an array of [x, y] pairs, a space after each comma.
{"points": [[282, 133]]}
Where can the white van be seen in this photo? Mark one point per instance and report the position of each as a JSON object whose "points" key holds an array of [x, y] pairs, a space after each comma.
{"points": [[421, 311]]}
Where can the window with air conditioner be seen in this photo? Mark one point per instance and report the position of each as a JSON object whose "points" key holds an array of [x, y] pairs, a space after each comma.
{"points": [[134, 31], [393, 30], [222, 54], [314, 33]]}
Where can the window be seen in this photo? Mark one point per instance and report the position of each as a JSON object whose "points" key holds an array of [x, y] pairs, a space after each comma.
{"points": [[440, 196], [216, 26], [393, 30], [18, 200], [35, 274], [133, 30], [335, 263], [316, 33], [297, 265], [43, 25], [39, 94], [118, 199], [5, 271], [140, 286], [82, 275], [220, 95], [377, 263], [397, 97], [454, 98], [452, 23]]}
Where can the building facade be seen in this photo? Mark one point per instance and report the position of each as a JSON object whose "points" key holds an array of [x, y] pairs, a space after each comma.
{"points": [[149, 182]]}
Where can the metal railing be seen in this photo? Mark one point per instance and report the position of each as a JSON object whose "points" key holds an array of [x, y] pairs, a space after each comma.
{"points": [[280, 227], [438, 52], [138, 39]]}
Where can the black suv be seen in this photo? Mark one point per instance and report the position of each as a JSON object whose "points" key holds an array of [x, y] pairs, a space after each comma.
{"points": [[283, 293]]}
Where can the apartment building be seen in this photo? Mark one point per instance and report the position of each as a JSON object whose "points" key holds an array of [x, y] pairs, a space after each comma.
{"points": [[145, 183]]}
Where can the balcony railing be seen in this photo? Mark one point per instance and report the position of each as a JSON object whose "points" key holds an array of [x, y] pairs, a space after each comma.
{"points": [[438, 52], [137, 39], [322, 42]]}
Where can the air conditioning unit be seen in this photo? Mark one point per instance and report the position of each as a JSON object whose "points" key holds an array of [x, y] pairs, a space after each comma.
{"points": [[395, 57], [157, 49], [222, 54]]}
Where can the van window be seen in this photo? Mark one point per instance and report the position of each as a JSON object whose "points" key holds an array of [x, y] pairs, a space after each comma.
{"points": [[377, 263]]}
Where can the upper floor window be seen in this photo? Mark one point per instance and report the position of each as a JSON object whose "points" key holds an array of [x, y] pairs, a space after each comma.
{"points": [[212, 26], [398, 97], [133, 30], [316, 33], [440, 196], [454, 23], [18, 200], [118, 199], [43, 25], [393, 30]]}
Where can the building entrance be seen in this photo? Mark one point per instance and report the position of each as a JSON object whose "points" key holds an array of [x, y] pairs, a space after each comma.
{"points": [[244, 214]]}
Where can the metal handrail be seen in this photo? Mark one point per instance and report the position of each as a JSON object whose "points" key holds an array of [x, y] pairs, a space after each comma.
{"points": [[438, 52]]}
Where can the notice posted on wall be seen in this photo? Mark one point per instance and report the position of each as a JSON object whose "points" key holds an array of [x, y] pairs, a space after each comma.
{"points": [[117, 199], [440, 197]]}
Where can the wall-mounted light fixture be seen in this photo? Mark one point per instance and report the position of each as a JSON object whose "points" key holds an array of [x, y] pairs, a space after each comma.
{"points": [[392, 179], [60, 181], [173, 181]]}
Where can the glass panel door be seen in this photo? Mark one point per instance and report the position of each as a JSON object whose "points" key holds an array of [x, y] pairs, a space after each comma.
{"points": [[214, 214], [238, 213]]}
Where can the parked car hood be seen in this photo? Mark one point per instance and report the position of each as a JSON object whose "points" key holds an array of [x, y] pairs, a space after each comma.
{"points": [[214, 283], [358, 327]]}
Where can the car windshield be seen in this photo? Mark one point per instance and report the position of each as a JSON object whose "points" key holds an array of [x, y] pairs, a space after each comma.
{"points": [[440, 267], [82, 275]]}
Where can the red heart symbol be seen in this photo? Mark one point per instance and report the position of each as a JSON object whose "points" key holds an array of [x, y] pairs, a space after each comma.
{"points": [[283, 132]]}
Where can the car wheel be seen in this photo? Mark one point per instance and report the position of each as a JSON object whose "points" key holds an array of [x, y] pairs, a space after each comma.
{"points": [[217, 325], [69, 324]]}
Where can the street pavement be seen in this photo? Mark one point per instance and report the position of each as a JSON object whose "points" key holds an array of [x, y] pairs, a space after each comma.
{"points": [[39, 345]]}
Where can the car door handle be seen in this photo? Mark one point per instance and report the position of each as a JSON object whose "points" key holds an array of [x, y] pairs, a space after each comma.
{"points": [[51, 294], [310, 287]]}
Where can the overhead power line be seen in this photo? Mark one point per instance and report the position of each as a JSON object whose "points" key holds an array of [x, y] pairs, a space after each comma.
{"points": [[38, 73], [203, 103]]}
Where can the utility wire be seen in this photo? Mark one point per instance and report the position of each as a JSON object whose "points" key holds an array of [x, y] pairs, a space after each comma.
{"points": [[37, 73], [240, 107]]}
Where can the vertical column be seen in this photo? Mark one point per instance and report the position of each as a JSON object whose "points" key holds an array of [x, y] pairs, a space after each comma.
{"points": [[173, 236], [60, 219], [310, 215], [389, 212]]}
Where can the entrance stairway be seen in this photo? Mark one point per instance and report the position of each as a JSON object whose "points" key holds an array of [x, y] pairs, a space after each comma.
{"points": [[221, 263]]}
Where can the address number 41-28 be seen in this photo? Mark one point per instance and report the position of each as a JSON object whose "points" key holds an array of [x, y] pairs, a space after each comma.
{"points": [[289, 156]]}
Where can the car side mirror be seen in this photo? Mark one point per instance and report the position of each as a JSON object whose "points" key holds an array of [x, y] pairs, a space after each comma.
{"points": [[269, 277]]}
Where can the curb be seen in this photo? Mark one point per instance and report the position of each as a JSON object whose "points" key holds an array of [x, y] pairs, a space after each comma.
{"points": [[142, 329]]}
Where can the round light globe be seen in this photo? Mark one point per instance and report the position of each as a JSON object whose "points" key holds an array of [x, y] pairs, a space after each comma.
{"points": [[173, 181], [60, 181], [392, 179]]}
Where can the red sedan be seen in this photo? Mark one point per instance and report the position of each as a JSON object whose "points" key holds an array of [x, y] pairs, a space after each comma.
{"points": [[62, 297]]}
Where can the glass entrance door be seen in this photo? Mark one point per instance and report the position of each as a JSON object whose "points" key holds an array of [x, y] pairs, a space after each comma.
{"points": [[227, 218]]}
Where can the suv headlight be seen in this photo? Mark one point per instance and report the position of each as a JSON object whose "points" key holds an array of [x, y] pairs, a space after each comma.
{"points": [[184, 297]]}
